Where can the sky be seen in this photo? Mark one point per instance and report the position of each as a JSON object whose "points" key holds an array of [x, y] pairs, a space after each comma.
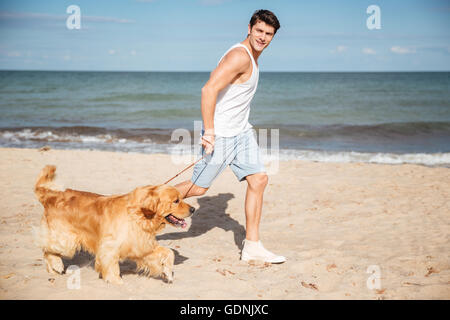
{"points": [[192, 35]]}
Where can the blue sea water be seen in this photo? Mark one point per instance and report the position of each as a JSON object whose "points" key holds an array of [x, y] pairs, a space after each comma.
{"points": [[387, 117]]}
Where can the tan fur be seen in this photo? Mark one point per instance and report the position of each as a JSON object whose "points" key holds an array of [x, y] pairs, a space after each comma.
{"points": [[113, 228]]}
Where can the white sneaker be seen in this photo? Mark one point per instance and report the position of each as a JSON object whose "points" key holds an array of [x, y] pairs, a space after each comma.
{"points": [[254, 250]]}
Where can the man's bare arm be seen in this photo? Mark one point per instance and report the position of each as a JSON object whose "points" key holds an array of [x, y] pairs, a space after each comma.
{"points": [[232, 65]]}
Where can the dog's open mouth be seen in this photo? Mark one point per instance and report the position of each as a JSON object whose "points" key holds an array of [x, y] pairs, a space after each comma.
{"points": [[176, 221]]}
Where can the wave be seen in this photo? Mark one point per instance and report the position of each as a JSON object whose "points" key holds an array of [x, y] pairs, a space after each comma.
{"points": [[388, 130], [429, 159], [146, 97], [154, 140], [85, 134]]}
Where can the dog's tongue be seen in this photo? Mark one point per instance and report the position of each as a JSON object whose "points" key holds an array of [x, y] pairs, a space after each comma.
{"points": [[183, 224]]}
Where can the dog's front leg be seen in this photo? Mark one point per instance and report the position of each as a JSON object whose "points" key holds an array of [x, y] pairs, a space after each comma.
{"points": [[167, 261], [107, 262], [159, 263]]}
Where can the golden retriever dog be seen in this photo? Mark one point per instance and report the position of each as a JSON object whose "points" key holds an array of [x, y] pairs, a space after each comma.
{"points": [[113, 228]]}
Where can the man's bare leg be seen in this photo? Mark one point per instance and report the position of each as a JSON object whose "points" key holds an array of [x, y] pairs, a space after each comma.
{"points": [[253, 248], [188, 189], [253, 204]]}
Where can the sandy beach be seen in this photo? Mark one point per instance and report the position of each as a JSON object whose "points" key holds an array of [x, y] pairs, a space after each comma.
{"points": [[335, 222]]}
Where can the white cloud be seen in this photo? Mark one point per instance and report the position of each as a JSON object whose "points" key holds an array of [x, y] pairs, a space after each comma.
{"points": [[67, 57], [26, 15], [212, 2], [45, 16], [133, 52], [368, 51], [339, 49], [402, 50], [106, 19], [14, 54], [112, 51]]}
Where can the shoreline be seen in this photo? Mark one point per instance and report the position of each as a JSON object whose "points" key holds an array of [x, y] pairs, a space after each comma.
{"points": [[333, 221], [432, 160]]}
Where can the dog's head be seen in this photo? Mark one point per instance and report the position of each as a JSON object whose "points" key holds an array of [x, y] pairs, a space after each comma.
{"points": [[161, 204]]}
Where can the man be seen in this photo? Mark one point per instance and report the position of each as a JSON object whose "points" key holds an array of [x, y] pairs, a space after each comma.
{"points": [[228, 138]]}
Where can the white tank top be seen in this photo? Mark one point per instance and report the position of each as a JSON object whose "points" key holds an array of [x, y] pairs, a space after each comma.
{"points": [[233, 103]]}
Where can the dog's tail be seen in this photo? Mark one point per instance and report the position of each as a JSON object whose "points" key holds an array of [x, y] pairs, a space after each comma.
{"points": [[42, 186]]}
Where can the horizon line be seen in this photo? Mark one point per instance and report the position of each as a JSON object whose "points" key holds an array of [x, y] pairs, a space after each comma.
{"points": [[202, 71]]}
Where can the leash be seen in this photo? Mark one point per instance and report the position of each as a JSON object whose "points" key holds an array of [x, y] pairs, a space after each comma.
{"points": [[192, 164]]}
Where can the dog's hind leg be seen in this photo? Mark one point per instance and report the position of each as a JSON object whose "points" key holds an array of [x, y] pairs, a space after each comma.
{"points": [[57, 243], [159, 263], [107, 262]]}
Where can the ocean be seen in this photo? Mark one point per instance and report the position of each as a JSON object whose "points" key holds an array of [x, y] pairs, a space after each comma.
{"points": [[381, 117]]}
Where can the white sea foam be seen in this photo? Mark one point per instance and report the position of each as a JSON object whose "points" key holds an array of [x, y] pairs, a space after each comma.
{"points": [[430, 159], [33, 139]]}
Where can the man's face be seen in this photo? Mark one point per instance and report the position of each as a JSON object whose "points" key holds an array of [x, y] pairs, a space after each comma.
{"points": [[260, 35]]}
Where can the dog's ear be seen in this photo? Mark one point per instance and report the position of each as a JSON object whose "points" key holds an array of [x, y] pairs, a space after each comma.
{"points": [[136, 210], [148, 213], [140, 211], [145, 199], [151, 202]]}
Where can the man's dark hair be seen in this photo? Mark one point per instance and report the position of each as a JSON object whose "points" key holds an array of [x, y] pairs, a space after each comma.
{"points": [[267, 17]]}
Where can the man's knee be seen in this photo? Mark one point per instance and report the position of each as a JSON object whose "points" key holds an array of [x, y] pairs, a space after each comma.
{"points": [[258, 181], [198, 191], [188, 189]]}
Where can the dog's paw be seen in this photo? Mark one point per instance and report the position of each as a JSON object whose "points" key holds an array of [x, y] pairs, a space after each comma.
{"points": [[114, 280], [55, 270], [167, 276], [54, 265]]}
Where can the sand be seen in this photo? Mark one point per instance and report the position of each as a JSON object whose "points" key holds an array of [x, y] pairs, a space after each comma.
{"points": [[349, 231]]}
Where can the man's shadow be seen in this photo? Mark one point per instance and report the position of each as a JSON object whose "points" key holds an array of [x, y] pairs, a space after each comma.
{"points": [[211, 213]]}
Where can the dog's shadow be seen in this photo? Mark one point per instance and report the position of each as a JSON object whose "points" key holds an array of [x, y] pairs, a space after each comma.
{"points": [[211, 213], [84, 259]]}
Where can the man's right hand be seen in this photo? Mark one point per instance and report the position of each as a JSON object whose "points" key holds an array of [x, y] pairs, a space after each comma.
{"points": [[208, 143]]}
